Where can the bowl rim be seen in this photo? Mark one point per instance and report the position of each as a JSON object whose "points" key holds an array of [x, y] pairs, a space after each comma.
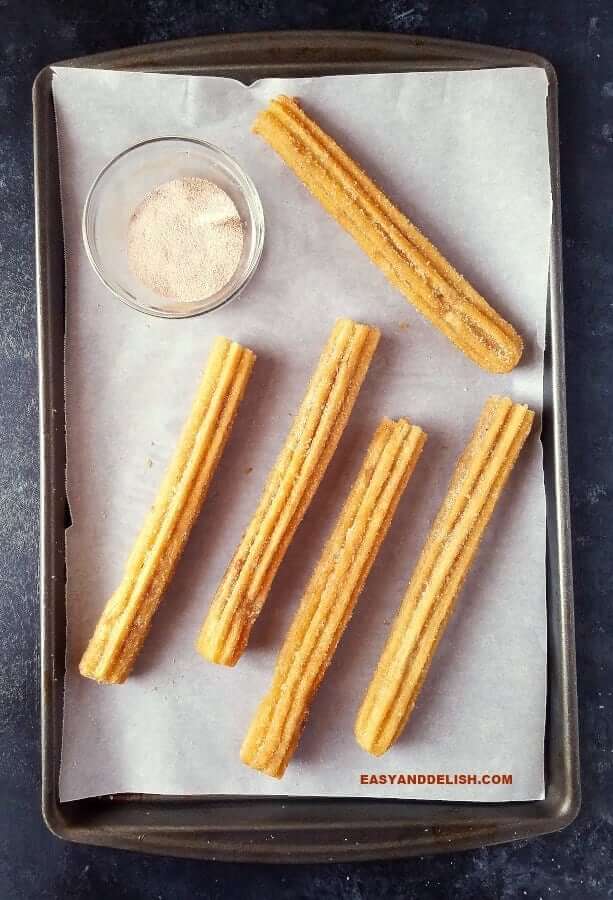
{"points": [[254, 204]]}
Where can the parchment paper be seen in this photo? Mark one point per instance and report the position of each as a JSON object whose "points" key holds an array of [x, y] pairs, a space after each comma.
{"points": [[465, 154]]}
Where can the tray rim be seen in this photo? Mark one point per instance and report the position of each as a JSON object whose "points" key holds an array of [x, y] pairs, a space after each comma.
{"points": [[522, 819]]}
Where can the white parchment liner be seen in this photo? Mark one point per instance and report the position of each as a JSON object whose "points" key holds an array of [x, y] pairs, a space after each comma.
{"points": [[465, 155]]}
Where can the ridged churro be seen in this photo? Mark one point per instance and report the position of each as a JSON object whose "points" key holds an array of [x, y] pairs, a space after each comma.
{"points": [[476, 484], [125, 621], [408, 259], [331, 595], [295, 477]]}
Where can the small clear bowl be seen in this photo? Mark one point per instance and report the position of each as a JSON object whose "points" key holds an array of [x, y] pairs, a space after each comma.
{"points": [[120, 188]]}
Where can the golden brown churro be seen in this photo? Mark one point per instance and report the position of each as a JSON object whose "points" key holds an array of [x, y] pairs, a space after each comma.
{"points": [[126, 619], [331, 595], [476, 484], [408, 259], [295, 477]]}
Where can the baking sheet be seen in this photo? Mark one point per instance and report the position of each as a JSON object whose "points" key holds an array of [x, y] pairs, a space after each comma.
{"points": [[466, 155]]}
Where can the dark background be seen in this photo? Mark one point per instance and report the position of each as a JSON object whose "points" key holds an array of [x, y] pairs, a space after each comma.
{"points": [[578, 38]]}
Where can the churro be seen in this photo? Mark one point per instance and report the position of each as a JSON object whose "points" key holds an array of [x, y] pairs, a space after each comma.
{"points": [[476, 484], [126, 619], [407, 258], [295, 477], [331, 595]]}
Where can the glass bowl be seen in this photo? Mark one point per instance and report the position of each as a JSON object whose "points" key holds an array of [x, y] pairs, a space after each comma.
{"points": [[122, 185]]}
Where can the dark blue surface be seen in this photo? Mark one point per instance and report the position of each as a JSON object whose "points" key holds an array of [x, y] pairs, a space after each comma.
{"points": [[578, 38]]}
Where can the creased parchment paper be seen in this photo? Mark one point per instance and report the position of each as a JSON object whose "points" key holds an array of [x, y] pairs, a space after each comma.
{"points": [[465, 154]]}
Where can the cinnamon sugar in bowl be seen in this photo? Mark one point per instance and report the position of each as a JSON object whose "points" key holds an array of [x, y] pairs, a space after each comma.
{"points": [[174, 227]]}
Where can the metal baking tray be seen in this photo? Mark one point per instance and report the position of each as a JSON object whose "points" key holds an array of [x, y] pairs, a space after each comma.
{"points": [[295, 830]]}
